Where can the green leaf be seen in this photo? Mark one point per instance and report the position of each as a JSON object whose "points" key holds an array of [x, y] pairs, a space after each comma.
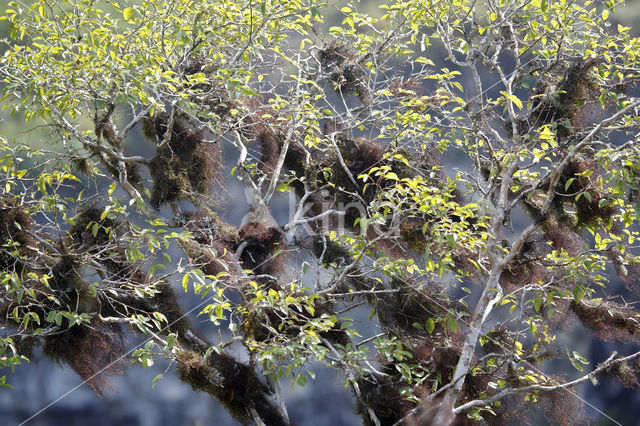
{"points": [[537, 303], [516, 101], [452, 324], [429, 325], [3, 382], [518, 347], [185, 282], [155, 380], [301, 380], [578, 293], [568, 183]]}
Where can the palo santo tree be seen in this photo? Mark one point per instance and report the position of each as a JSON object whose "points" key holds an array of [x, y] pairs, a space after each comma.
{"points": [[475, 203]]}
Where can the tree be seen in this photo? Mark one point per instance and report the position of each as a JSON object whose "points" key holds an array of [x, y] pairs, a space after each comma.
{"points": [[475, 207]]}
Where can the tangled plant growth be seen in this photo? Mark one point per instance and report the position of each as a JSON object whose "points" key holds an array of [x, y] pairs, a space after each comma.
{"points": [[474, 207]]}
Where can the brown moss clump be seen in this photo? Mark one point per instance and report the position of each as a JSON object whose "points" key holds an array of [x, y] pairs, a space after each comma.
{"points": [[433, 353], [212, 248], [193, 371], [207, 227], [82, 165], [344, 71], [210, 94], [329, 252], [81, 232], [268, 141], [234, 384], [628, 271], [70, 287], [382, 395], [14, 223], [183, 167], [525, 268], [576, 188], [332, 254], [363, 156], [265, 126], [166, 302], [94, 234], [412, 303], [563, 408], [359, 157], [476, 386], [163, 300], [626, 374], [609, 321], [25, 345], [212, 259], [559, 231], [148, 128], [242, 388], [412, 234], [260, 254], [557, 102], [133, 174], [93, 351], [409, 88]]}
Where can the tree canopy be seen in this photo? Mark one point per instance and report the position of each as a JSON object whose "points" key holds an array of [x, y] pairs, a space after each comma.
{"points": [[475, 206]]}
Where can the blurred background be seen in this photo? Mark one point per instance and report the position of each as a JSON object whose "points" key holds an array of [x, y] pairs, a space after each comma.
{"points": [[323, 401]]}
